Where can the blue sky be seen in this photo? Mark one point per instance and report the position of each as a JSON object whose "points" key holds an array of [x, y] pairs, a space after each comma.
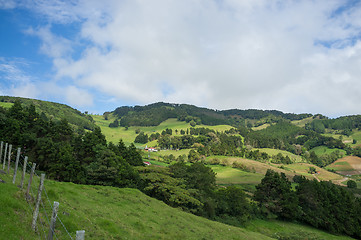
{"points": [[293, 56]]}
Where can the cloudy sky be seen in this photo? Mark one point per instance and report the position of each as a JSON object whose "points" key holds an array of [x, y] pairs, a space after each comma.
{"points": [[294, 56]]}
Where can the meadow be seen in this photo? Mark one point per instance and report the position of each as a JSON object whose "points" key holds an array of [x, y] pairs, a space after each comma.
{"points": [[128, 134]]}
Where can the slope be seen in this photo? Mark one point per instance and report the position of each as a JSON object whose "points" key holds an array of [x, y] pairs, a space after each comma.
{"points": [[110, 213], [52, 110]]}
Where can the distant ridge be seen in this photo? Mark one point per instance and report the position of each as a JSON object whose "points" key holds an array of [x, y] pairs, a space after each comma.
{"points": [[154, 114]]}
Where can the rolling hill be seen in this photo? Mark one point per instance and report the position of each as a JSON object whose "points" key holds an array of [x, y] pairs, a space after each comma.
{"points": [[53, 111]]}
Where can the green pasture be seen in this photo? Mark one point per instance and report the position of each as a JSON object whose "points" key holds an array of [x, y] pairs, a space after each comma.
{"points": [[321, 150], [6, 104], [302, 123], [128, 135], [272, 152], [263, 126], [228, 175], [357, 136], [106, 213]]}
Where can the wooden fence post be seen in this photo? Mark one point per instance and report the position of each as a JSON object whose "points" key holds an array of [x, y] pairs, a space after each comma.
{"points": [[1, 150], [6, 149], [53, 220], [30, 180], [16, 165], [37, 204], [80, 235], [9, 158], [24, 171]]}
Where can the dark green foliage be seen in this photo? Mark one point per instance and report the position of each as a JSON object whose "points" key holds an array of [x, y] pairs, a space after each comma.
{"points": [[342, 123], [114, 124], [320, 204], [232, 202], [275, 196], [351, 184], [154, 114], [65, 154], [160, 183], [141, 138], [325, 205]]}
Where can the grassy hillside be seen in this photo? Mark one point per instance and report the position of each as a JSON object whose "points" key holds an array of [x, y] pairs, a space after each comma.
{"points": [[113, 213], [110, 213], [256, 170], [128, 134], [273, 152], [53, 110]]}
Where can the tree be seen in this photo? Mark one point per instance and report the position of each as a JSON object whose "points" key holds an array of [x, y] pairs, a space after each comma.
{"points": [[141, 138], [193, 156], [232, 201], [351, 184], [133, 156], [275, 196]]}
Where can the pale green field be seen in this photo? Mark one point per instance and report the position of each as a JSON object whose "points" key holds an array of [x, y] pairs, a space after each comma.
{"points": [[261, 168], [303, 122], [263, 126], [228, 175], [6, 104], [321, 150], [272, 152], [357, 136], [128, 136], [343, 138]]}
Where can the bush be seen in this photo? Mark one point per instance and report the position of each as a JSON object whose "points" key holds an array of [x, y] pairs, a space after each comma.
{"points": [[351, 184]]}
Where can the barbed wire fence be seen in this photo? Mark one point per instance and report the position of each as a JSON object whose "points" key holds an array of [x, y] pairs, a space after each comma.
{"points": [[41, 220]]}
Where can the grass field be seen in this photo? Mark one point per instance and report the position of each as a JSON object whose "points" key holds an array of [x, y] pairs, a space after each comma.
{"points": [[227, 174], [109, 213], [357, 136], [128, 136], [321, 150], [263, 126], [272, 152], [6, 104], [302, 123]]}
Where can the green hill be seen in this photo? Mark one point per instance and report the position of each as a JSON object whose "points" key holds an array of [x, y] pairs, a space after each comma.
{"points": [[154, 114], [53, 111], [123, 213]]}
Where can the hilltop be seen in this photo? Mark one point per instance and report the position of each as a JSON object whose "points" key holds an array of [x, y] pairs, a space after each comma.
{"points": [[154, 114], [53, 111]]}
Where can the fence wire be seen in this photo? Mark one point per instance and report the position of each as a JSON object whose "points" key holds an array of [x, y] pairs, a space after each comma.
{"points": [[41, 226]]}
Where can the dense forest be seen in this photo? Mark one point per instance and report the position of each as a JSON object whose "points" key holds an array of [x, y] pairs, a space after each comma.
{"points": [[154, 114]]}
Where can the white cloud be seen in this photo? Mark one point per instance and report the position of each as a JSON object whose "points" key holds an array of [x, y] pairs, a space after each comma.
{"points": [[28, 90], [289, 55], [78, 97], [52, 45], [7, 4]]}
